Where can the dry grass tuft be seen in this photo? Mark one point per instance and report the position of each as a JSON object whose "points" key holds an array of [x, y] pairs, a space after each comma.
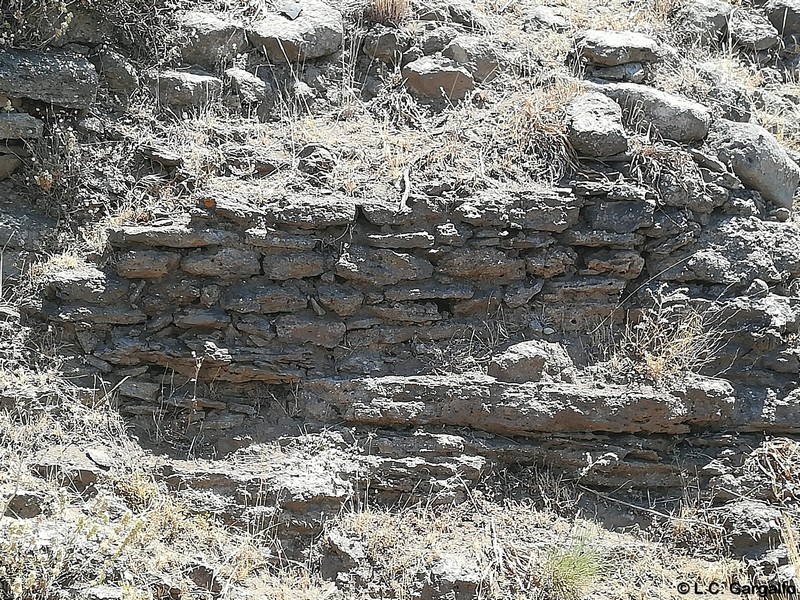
{"points": [[387, 12], [535, 126], [660, 345]]}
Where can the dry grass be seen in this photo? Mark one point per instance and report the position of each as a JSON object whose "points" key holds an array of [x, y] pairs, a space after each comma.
{"points": [[660, 345], [35, 24], [387, 12]]}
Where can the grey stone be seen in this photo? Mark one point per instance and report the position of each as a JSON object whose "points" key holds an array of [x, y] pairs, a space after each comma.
{"points": [[209, 39], [379, 267], [24, 504], [529, 361], [249, 88], [734, 250], [225, 263], [279, 240], [627, 264], [342, 300], [317, 32], [407, 312], [85, 284], [118, 73], [750, 523], [704, 20], [147, 264], [537, 209], [170, 236], [295, 265], [106, 315], [386, 45], [481, 264], [621, 217], [752, 30], [730, 98], [460, 12], [757, 159], [301, 330], [507, 408], [545, 17], [612, 48], [454, 575], [518, 294], [182, 89], [437, 78], [784, 15], [60, 78], [478, 55], [67, 465], [632, 72], [673, 117], [206, 318], [141, 389], [435, 40], [9, 165], [594, 125], [255, 297], [551, 262], [19, 126], [429, 291], [312, 213]]}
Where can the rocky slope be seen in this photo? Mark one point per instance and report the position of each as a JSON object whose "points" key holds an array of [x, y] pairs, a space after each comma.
{"points": [[449, 244]]}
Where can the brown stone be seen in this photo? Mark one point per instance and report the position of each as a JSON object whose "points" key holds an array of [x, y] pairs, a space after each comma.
{"points": [[379, 267], [263, 298], [296, 265], [225, 263], [271, 238], [342, 300], [147, 264], [301, 330], [482, 264], [170, 236]]}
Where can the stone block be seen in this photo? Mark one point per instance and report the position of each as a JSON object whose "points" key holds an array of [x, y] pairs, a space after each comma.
{"points": [[301, 330], [225, 263], [296, 265], [255, 297], [147, 264], [379, 267]]}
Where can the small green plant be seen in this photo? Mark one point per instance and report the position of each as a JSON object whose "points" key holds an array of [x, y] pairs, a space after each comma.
{"points": [[571, 572]]}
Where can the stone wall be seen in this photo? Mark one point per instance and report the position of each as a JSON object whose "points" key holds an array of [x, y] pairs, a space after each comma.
{"points": [[239, 293]]}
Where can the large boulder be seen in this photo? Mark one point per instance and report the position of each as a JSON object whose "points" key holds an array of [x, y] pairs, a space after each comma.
{"points": [[784, 15], [672, 117], [317, 31], [594, 125], [438, 77], [210, 40], [757, 159], [610, 48], [60, 78]]}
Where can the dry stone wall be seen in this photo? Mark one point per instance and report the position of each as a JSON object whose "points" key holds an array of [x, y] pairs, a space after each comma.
{"points": [[237, 293]]}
